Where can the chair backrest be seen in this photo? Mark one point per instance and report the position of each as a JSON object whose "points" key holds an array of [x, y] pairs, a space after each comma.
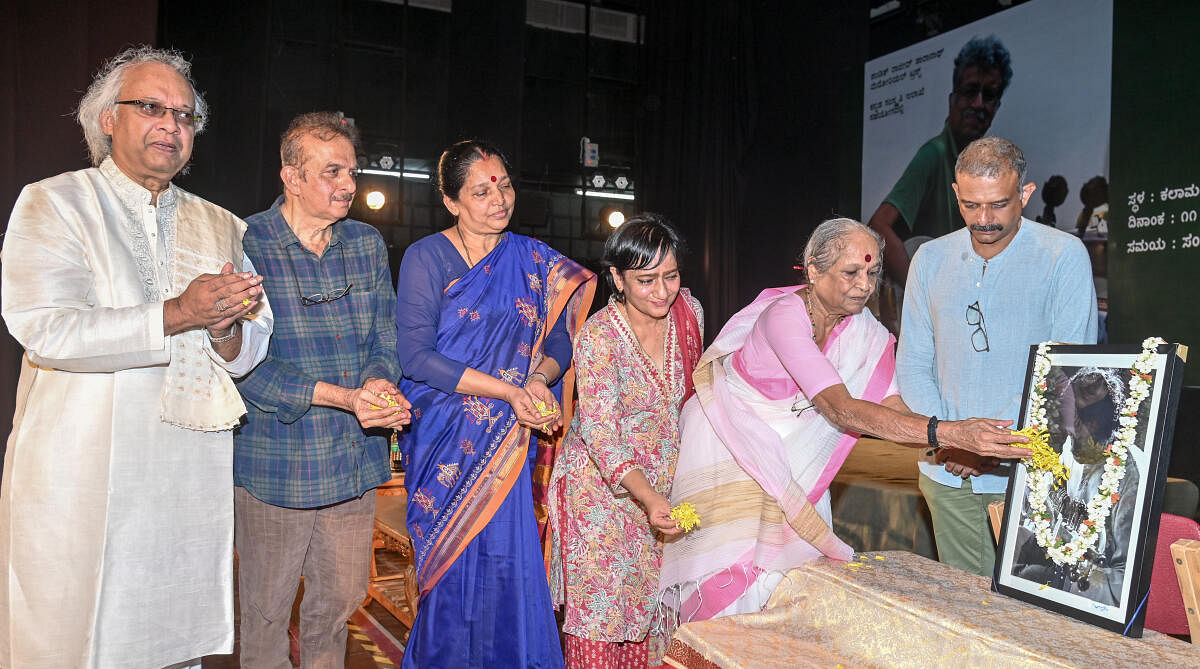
{"points": [[1164, 608], [996, 517]]}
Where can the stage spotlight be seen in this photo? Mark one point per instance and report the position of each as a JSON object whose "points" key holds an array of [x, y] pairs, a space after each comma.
{"points": [[375, 200], [602, 218]]}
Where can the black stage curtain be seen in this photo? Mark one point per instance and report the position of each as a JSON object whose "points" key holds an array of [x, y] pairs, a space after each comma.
{"points": [[750, 135], [699, 107]]}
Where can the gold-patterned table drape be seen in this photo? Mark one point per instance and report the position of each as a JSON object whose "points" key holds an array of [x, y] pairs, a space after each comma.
{"points": [[901, 610]]}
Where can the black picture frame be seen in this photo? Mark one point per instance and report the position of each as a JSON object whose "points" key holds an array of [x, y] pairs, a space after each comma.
{"points": [[1085, 387]]}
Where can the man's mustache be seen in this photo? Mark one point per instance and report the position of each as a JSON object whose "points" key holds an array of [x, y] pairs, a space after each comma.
{"points": [[991, 227], [344, 197]]}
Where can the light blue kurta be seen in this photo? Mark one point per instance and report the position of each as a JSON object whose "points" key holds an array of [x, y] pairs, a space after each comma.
{"points": [[1039, 288]]}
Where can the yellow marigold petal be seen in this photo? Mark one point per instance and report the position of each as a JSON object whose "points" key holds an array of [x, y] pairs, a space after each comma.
{"points": [[1044, 456], [543, 408], [685, 516]]}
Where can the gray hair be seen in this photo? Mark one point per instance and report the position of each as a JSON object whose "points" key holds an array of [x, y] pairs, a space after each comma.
{"points": [[106, 88], [325, 126], [827, 242], [989, 157]]}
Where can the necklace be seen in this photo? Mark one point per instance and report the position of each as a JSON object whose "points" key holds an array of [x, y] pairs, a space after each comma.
{"points": [[808, 307], [1047, 474], [670, 380], [470, 263]]}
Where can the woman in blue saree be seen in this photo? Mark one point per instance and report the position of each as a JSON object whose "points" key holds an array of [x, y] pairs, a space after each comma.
{"points": [[485, 320]]}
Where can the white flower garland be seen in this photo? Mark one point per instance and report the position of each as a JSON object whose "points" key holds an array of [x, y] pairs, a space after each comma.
{"points": [[1041, 479]]}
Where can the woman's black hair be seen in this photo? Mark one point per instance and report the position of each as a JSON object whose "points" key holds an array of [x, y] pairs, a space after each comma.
{"points": [[637, 243], [457, 160]]}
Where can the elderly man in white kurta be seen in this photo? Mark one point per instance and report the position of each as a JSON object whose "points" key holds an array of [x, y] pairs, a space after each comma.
{"points": [[134, 303]]}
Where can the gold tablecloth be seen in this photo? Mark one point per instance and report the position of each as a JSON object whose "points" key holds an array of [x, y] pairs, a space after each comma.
{"points": [[902, 610]]}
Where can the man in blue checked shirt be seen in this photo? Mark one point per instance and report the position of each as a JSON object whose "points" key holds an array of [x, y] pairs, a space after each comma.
{"points": [[319, 407], [977, 299]]}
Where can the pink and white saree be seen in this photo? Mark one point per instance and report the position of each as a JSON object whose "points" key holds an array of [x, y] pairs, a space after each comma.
{"points": [[758, 470]]}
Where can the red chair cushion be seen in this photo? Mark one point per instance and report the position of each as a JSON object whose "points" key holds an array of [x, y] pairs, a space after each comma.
{"points": [[1164, 609]]}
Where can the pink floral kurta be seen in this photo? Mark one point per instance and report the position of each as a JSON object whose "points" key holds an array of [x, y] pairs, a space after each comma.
{"points": [[605, 559]]}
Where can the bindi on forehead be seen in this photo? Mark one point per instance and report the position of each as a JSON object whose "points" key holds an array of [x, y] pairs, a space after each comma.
{"points": [[868, 258], [493, 178]]}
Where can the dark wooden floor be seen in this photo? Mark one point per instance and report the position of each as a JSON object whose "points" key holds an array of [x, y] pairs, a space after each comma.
{"points": [[357, 655]]}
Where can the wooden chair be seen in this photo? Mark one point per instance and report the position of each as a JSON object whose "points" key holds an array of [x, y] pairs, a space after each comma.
{"points": [[996, 516], [1165, 609], [395, 589], [1185, 554]]}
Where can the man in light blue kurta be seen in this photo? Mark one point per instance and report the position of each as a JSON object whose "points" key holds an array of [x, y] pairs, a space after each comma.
{"points": [[977, 299]]}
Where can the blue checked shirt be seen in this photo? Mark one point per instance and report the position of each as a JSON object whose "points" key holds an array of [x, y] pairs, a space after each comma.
{"points": [[289, 452]]}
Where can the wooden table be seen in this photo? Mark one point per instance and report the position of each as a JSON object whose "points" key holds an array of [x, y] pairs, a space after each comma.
{"points": [[898, 609], [393, 580]]}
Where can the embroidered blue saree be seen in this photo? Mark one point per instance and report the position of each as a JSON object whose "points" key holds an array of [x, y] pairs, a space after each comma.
{"points": [[469, 466]]}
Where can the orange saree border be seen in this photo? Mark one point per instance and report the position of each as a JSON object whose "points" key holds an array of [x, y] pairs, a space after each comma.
{"points": [[575, 303], [573, 294], [479, 505]]}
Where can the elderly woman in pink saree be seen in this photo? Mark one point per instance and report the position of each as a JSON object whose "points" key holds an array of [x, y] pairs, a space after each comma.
{"points": [[782, 395]]}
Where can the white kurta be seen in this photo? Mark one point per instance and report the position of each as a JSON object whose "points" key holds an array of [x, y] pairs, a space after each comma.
{"points": [[116, 529]]}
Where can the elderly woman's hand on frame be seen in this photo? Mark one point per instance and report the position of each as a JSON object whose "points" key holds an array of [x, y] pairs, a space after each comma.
{"points": [[985, 436]]}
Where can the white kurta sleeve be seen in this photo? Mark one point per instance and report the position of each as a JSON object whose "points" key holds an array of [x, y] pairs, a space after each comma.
{"points": [[256, 334], [51, 275]]}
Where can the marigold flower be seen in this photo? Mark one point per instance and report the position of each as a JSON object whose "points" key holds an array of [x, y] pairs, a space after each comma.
{"points": [[685, 516]]}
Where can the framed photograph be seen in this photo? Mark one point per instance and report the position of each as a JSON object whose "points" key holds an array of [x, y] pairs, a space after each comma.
{"points": [[1081, 517]]}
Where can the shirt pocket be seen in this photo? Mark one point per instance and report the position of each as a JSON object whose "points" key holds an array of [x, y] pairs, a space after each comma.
{"points": [[361, 315]]}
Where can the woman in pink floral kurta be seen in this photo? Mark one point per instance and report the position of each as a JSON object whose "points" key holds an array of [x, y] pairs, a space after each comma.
{"points": [[606, 553]]}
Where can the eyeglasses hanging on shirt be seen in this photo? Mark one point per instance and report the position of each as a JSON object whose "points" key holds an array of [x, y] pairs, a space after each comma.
{"points": [[328, 296], [979, 338]]}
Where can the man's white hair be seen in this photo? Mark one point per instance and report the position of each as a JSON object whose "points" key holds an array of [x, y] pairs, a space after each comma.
{"points": [[106, 87]]}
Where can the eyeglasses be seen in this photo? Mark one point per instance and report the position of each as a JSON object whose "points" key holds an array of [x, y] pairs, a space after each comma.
{"points": [[155, 110], [321, 298], [989, 95], [975, 320]]}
